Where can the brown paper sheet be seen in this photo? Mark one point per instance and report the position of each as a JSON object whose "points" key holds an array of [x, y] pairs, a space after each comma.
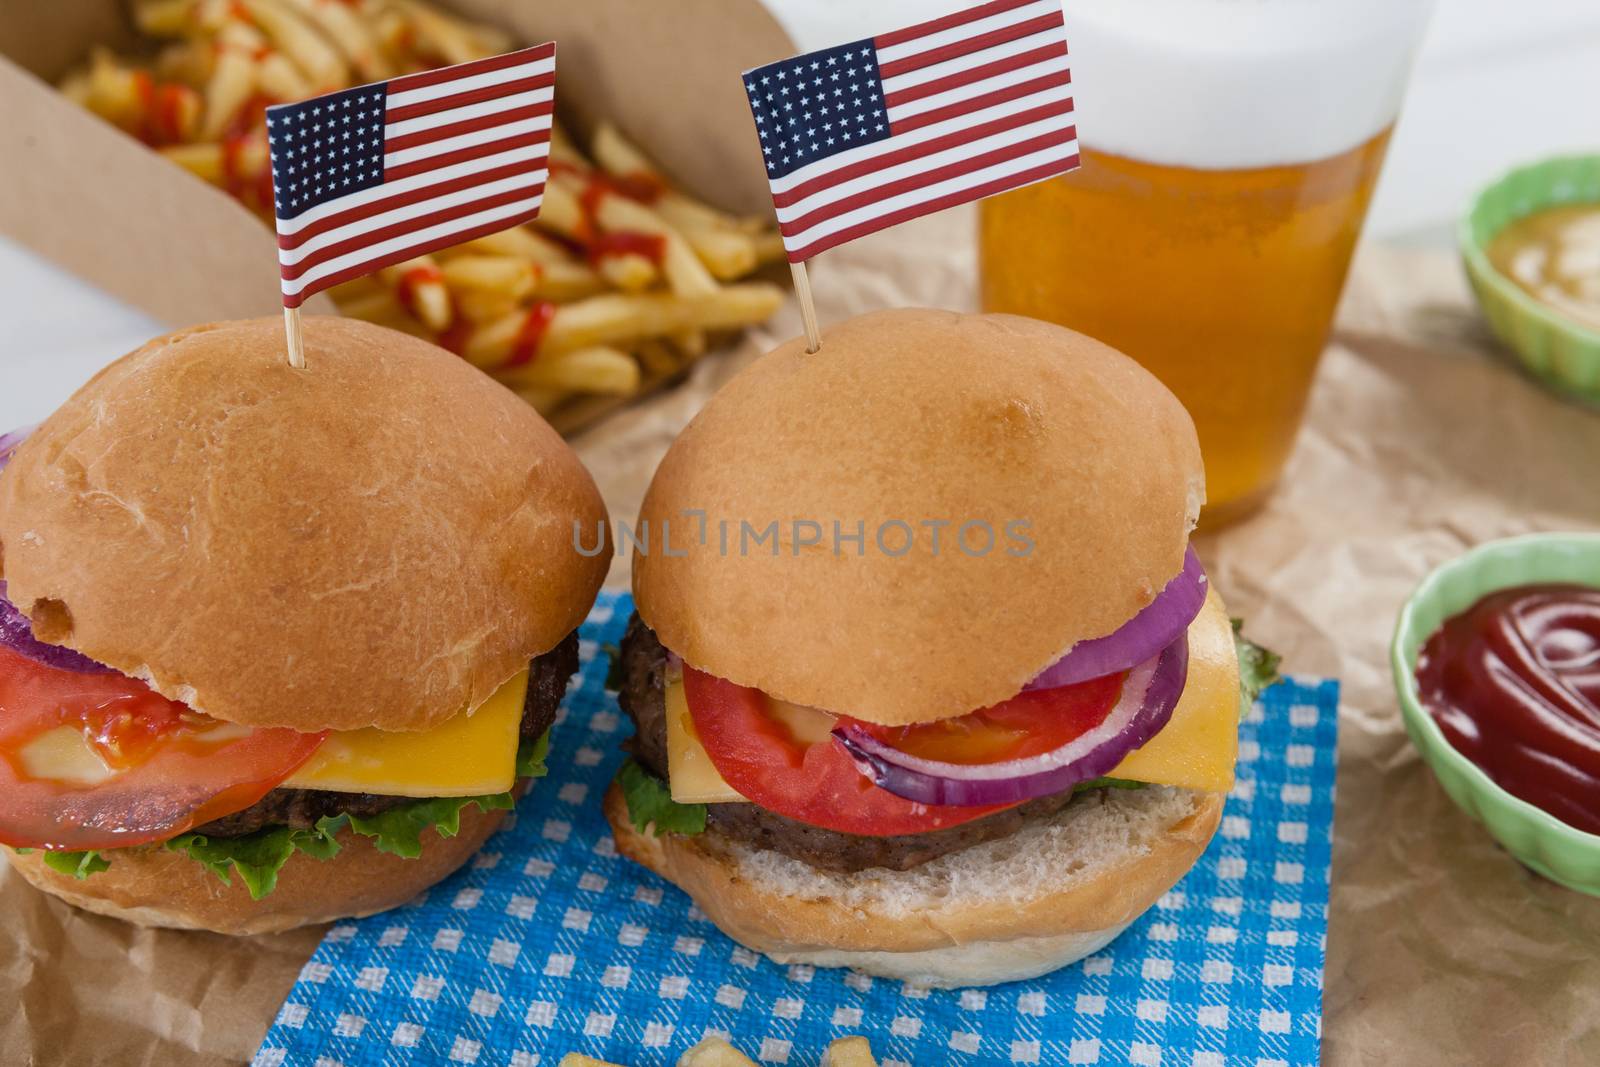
{"points": [[1419, 442]]}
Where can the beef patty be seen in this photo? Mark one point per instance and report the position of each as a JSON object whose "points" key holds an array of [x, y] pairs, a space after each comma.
{"points": [[548, 676], [644, 667]]}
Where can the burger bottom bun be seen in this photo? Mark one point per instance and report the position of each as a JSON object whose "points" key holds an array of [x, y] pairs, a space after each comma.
{"points": [[154, 887], [1048, 895]]}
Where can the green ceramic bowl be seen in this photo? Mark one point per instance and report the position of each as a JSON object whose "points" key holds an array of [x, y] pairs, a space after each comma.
{"points": [[1554, 349], [1540, 840]]}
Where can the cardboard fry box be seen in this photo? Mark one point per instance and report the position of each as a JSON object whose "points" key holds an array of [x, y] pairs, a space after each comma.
{"points": [[87, 195]]}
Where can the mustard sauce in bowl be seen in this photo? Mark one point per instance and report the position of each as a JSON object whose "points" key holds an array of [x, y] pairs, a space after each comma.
{"points": [[1554, 256]]}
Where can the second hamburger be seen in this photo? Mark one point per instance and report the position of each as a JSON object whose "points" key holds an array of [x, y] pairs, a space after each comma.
{"points": [[926, 678]]}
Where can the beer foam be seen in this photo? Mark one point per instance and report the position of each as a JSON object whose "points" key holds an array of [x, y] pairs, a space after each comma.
{"points": [[1239, 83]]}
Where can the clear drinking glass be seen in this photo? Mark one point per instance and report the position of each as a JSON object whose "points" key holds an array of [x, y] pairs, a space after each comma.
{"points": [[1229, 152]]}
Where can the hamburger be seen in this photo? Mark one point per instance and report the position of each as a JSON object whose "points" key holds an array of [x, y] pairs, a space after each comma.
{"points": [[926, 679], [280, 646]]}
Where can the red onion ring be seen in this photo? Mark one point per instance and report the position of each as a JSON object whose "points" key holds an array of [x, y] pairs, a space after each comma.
{"points": [[16, 633], [1149, 694], [1161, 622]]}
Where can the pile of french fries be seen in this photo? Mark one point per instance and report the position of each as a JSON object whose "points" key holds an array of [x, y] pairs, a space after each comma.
{"points": [[715, 1052], [620, 284]]}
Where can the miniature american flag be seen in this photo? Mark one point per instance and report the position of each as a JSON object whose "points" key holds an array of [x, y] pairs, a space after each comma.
{"points": [[368, 177], [867, 134]]}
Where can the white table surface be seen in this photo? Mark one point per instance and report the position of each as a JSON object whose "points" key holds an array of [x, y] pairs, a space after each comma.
{"points": [[1497, 83]]}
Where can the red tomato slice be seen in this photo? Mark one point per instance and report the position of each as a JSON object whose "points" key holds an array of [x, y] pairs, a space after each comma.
{"points": [[172, 768], [1029, 724], [818, 784]]}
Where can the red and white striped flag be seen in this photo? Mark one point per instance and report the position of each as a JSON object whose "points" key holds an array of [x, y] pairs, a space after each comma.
{"points": [[368, 177], [867, 134]]}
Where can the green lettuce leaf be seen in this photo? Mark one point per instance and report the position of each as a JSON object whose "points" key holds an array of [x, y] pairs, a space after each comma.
{"points": [[1107, 783], [1258, 668], [531, 757], [79, 865], [650, 801], [257, 858]]}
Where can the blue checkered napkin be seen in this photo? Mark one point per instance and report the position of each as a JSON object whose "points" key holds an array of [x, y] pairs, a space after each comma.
{"points": [[550, 942]]}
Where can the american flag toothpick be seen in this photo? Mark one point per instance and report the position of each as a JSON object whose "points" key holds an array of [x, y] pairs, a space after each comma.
{"points": [[368, 177], [864, 135]]}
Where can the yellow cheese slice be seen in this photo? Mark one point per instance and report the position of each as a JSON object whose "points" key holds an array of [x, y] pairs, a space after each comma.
{"points": [[1196, 749], [1200, 743], [469, 755], [63, 755], [691, 774]]}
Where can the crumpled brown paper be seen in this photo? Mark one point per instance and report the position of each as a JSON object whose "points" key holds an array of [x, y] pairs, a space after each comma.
{"points": [[1420, 441]]}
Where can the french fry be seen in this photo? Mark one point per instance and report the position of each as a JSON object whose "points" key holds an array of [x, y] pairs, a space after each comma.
{"points": [[372, 302], [352, 36], [203, 160], [601, 370], [511, 277], [628, 271], [714, 1052], [561, 213], [189, 62], [616, 155], [520, 241], [419, 286], [769, 248], [658, 359], [392, 30], [559, 276], [480, 306], [280, 79], [727, 254], [616, 214], [578, 1059], [564, 282], [307, 49], [233, 78], [691, 344], [624, 319], [682, 268], [715, 236], [450, 39], [619, 157], [112, 90], [849, 1052], [164, 18]]}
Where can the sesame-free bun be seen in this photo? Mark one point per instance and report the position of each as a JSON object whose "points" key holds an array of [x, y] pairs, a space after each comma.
{"points": [[915, 417], [380, 539], [151, 886], [1015, 908]]}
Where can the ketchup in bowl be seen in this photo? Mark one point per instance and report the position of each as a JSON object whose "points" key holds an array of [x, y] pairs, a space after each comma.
{"points": [[1514, 683]]}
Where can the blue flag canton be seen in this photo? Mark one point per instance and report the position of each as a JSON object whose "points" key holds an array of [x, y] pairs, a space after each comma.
{"points": [[817, 105], [325, 148]]}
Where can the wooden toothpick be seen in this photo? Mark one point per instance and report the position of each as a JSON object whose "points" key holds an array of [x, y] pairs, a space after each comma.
{"points": [[296, 340], [808, 311]]}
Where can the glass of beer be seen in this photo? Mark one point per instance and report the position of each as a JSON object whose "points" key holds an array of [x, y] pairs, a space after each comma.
{"points": [[1229, 151]]}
